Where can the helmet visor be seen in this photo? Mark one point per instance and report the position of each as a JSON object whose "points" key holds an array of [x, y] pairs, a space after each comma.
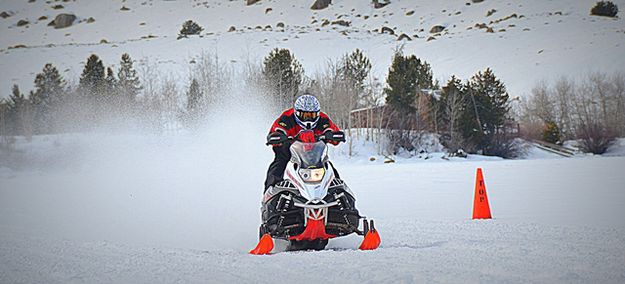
{"points": [[307, 116]]}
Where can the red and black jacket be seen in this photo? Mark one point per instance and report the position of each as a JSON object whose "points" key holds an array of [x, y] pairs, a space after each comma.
{"points": [[286, 124]]}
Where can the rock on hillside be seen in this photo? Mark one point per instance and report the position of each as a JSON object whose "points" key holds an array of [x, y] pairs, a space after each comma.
{"points": [[63, 21]]}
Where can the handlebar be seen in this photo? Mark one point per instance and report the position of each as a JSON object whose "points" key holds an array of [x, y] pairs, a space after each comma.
{"points": [[278, 138]]}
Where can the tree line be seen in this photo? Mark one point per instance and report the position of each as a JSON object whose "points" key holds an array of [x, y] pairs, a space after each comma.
{"points": [[45, 110], [590, 109], [474, 116], [471, 116]]}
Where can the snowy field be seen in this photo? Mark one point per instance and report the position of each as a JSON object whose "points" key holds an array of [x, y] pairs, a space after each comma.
{"points": [[184, 208], [143, 209]]}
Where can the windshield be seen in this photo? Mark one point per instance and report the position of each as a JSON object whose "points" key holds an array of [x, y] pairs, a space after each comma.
{"points": [[310, 154]]}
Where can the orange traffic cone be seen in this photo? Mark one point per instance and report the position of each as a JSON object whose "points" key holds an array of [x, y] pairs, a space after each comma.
{"points": [[481, 209]]}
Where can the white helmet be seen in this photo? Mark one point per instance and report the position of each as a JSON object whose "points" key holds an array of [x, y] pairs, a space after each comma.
{"points": [[307, 111]]}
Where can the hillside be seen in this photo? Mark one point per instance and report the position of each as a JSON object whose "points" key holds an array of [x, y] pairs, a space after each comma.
{"points": [[531, 40]]}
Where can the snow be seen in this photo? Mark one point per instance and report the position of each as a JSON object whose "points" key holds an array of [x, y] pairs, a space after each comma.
{"points": [[185, 208], [134, 207], [552, 39], [617, 148]]}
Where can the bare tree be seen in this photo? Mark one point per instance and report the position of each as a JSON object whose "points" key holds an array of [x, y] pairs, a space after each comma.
{"points": [[542, 103], [564, 91], [6, 139], [214, 78], [171, 105], [618, 91], [590, 106], [150, 103], [452, 102], [591, 110]]}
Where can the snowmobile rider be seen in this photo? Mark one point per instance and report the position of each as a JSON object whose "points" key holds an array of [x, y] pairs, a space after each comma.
{"points": [[305, 115]]}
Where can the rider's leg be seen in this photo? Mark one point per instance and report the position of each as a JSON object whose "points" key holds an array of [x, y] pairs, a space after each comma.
{"points": [[277, 167]]}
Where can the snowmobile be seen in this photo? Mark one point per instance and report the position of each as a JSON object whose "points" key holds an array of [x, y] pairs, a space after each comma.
{"points": [[311, 206]]}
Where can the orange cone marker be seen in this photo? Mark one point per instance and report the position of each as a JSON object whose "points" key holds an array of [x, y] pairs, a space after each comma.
{"points": [[481, 209]]}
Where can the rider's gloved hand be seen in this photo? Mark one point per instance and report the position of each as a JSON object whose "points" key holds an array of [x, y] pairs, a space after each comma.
{"points": [[336, 137], [276, 138]]}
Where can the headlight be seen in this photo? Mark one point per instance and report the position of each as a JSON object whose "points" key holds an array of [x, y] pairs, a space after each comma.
{"points": [[312, 175]]}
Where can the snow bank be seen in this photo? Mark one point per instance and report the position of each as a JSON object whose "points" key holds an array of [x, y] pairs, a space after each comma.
{"points": [[617, 148]]}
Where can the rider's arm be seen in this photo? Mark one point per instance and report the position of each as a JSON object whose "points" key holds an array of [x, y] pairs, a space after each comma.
{"points": [[327, 125], [283, 124]]}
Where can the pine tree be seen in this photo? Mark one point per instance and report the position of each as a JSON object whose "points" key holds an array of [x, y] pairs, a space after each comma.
{"points": [[17, 100], [484, 120], [111, 81], [284, 74], [408, 104], [47, 97], [407, 76], [18, 106], [194, 97], [551, 132], [92, 81], [195, 103], [190, 28], [112, 101], [92, 92], [5, 125], [129, 84], [353, 70]]}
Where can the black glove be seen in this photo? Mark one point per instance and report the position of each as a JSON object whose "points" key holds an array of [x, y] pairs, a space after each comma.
{"points": [[276, 138], [338, 136]]}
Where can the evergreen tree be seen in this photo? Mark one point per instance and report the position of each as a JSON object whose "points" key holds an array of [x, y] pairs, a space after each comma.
{"points": [[551, 132], [409, 105], [18, 105], [92, 91], [190, 28], [284, 74], [111, 81], [353, 70], [407, 76], [92, 81], [112, 100], [485, 118], [194, 97], [47, 97], [129, 84], [17, 100], [195, 102], [5, 124]]}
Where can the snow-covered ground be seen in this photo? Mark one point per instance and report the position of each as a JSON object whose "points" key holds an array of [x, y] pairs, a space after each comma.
{"points": [[547, 39], [93, 208], [141, 208]]}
